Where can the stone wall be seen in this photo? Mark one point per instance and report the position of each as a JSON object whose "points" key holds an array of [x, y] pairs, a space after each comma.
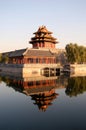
{"points": [[11, 69], [24, 70], [79, 69], [35, 69]]}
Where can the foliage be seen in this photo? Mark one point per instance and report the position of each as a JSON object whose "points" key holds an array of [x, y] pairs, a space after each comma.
{"points": [[75, 53], [0, 57], [4, 58], [75, 86]]}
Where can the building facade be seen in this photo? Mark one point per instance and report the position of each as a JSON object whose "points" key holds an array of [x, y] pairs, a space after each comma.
{"points": [[37, 59], [42, 42]]}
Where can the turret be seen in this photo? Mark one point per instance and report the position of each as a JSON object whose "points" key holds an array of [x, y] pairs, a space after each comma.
{"points": [[43, 39]]}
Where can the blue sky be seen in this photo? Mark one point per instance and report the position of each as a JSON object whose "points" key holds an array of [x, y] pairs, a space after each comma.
{"points": [[20, 18]]}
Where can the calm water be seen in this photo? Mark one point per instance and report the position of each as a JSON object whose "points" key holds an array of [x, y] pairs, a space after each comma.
{"points": [[43, 103]]}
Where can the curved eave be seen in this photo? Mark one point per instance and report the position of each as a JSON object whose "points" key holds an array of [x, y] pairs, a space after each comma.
{"points": [[36, 41], [44, 38], [45, 32]]}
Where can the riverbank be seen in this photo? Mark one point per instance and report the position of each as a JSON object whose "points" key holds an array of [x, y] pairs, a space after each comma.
{"points": [[27, 70], [75, 69], [79, 69]]}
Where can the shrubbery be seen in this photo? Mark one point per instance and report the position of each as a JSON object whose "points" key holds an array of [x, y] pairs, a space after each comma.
{"points": [[75, 53]]}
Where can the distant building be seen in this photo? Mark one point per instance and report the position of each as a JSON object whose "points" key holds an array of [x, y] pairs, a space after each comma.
{"points": [[43, 39], [42, 55], [42, 42]]}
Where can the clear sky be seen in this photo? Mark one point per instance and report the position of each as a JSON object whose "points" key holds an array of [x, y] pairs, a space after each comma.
{"points": [[20, 18]]}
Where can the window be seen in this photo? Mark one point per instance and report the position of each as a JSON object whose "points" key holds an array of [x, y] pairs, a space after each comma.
{"points": [[30, 60], [37, 60]]}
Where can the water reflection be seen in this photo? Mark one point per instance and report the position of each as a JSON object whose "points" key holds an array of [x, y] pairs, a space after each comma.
{"points": [[41, 89], [75, 86], [46, 98], [43, 100]]}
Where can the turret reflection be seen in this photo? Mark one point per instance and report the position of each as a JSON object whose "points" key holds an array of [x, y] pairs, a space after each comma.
{"points": [[43, 100], [41, 89]]}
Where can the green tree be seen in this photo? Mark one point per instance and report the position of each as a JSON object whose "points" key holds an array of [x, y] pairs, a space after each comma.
{"points": [[75, 53], [5, 59], [0, 57], [70, 53]]}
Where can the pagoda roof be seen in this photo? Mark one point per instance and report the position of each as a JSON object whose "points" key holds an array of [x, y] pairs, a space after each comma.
{"points": [[39, 53], [17, 53], [42, 29], [41, 40], [43, 35], [37, 89], [31, 52]]}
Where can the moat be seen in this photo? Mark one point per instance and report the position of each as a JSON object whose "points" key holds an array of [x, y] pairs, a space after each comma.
{"points": [[43, 102]]}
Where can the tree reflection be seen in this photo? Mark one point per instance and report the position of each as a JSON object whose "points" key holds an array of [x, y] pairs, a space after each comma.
{"points": [[43, 89], [75, 86]]}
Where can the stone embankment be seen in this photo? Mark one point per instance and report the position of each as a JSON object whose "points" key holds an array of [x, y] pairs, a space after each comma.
{"points": [[79, 69], [11, 69], [25, 70], [75, 69]]}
